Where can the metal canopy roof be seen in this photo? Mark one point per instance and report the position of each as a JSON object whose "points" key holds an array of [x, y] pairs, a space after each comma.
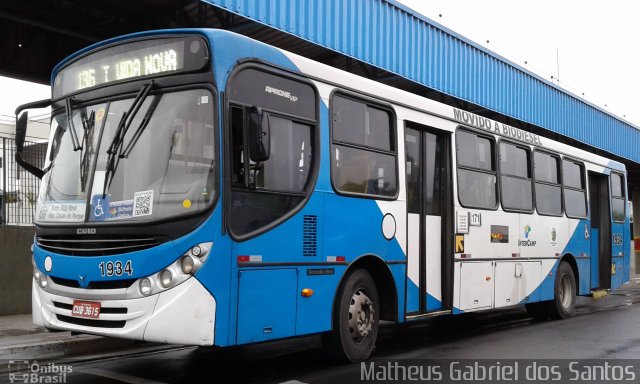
{"points": [[378, 39], [392, 37]]}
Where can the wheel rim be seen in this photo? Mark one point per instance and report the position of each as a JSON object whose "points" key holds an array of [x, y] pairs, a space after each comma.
{"points": [[361, 315], [565, 291]]}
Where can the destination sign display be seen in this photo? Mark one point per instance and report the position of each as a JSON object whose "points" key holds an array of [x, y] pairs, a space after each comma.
{"points": [[130, 61]]}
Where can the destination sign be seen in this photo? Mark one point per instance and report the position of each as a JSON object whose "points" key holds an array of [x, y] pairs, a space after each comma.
{"points": [[476, 121], [131, 61]]}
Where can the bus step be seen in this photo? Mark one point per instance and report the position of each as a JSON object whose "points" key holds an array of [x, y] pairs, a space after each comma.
{"points": [[599, 293]]}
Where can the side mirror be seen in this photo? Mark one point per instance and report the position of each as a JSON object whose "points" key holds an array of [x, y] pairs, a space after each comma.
{"points": [[21, 134], [21, 130], [259, 135]]}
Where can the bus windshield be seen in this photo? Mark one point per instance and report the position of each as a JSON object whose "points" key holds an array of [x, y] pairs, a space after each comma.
{"points": [[168, 171]]}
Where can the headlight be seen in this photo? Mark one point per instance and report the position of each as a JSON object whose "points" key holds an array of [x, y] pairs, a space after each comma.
{"points": [[40, 278], [165, 278], [145, 286], [176, 273], [187, 264]]}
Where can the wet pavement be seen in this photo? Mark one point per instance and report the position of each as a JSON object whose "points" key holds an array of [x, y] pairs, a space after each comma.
{"points": [[607, 328]]}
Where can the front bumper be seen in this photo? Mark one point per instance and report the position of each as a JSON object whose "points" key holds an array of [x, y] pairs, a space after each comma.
{"points": [[184, 314]]}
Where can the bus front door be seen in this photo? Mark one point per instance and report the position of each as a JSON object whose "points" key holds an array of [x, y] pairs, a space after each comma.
{"points": [[428, 201], [600, 231]]}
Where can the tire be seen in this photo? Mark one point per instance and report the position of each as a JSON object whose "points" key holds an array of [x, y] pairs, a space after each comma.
{"points": [[563, 304], [357, 299]]}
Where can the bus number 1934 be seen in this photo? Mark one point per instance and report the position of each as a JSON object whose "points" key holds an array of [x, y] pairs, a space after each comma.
{"points": [[115, 268]]}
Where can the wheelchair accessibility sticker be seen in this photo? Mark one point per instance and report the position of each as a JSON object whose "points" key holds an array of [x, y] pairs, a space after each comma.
{"points": [[100, 207]]}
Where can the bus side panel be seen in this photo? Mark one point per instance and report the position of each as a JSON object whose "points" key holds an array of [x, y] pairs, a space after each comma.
{"points": [[579, 246], [266, 304], [314, 313], [283, 246], [618, 245], [353, 229], [627, 239]]}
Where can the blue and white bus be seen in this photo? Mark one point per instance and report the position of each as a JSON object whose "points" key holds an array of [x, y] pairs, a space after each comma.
{"points": [[204, 188]]}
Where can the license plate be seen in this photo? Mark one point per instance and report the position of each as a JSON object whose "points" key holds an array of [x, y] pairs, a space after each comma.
{"points": [[88, 309]]}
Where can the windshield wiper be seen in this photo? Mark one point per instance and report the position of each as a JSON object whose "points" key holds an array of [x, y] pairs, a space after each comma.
{"points": [[74, 135], [143, 125], [85, 156], [115, 150]]}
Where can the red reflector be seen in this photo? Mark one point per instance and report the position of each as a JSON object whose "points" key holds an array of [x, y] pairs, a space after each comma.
{"points": [[340, 258], [515, 255], [243, 259]]}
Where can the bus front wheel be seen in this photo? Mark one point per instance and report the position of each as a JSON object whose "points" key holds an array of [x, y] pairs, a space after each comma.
{"points": [[564, 303], [355, 318]]}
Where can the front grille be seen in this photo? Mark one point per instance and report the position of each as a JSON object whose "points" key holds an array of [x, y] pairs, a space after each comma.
{"points": [[109, 284], [115, 284], [92, 323], [65, 282], [119, 311], [95, 246]]}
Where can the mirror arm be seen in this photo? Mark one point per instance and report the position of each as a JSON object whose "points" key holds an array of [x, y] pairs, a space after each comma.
{"points": [[33, 105]]}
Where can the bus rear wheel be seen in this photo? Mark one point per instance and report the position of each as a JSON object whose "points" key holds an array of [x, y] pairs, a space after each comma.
{"points": [[355, 318], [564, 303]]}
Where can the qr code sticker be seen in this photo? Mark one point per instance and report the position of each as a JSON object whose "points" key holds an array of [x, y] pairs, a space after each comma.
{"points": [[143, 203]]}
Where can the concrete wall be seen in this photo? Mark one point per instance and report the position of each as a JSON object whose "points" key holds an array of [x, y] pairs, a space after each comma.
{"points": [[15, 269]]}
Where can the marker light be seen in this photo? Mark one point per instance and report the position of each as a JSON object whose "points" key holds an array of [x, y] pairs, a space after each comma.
{"points": [[306, 292], [196, 251], [145, 286], [187, 264], [165, 278]]}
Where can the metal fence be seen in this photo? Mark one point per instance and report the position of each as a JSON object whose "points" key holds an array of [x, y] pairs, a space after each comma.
{"points": [[18, 188]]}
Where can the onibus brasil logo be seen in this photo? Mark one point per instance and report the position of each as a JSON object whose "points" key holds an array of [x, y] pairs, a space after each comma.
{"points": [[25, 371]]}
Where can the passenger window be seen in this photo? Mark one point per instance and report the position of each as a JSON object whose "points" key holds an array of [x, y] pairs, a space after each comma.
{"points": [[575, 196], [515, 177], [547, 184], [617, 197], [477, 186], [363, 155]]}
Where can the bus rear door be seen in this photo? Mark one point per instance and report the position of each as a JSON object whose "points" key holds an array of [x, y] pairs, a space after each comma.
{"points": [[428, 163]]}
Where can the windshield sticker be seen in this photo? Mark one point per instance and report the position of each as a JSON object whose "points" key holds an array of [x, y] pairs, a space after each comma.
{"points": [[62, 212], [121, 210], [143, 203], [100, 207], [100, 114]]}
